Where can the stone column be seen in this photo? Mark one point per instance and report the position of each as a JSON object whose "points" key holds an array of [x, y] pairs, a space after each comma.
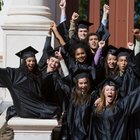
{"points": [[28, 14]]}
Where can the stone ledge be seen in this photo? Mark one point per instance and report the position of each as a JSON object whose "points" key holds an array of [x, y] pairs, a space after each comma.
{"points": [[18, 123], [32, 129], [2, 122]]}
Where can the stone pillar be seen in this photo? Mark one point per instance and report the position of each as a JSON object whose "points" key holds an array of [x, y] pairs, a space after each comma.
{"points": [[28, 14], [27, 23]]}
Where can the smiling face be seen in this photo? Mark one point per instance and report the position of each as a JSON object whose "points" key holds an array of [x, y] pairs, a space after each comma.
{"points": [[53, 64], [83, 85], [30, 63], [82, 33], [111, 61], [110, 94], [80, 55]]}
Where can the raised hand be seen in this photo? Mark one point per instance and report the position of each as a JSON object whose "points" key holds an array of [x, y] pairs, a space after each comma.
{"points": [[62, 4], [75, 16], [101, 44], [136, 33], [58, 54], [106, 9], [130, 46]]}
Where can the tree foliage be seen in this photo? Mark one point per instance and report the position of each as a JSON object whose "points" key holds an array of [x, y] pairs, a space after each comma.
{"points": [[1, 4], [83, 9], [137, 14]]}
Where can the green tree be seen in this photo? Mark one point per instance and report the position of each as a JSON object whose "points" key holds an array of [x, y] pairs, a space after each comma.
{"points": [[83, 9], [1, 4]]}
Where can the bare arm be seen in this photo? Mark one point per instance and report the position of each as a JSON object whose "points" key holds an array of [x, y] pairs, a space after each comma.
{"points": [[57, 35], [62, 6], [105, 14], [62, 63]]}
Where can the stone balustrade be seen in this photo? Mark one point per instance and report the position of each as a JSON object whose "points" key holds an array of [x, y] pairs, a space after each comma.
{"points": [[32, 129]]}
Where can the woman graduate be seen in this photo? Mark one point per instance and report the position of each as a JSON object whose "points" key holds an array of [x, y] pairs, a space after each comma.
{"points": [[80, 107], [110, 117], [24, 84]]}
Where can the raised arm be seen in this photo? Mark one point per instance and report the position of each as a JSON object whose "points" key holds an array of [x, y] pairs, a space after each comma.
{"points": [[137, 41], [62, 6], [57, 34], [73, 21], [62, 63], [131, 103], [98, 53], [105, 14], [47, 47]]}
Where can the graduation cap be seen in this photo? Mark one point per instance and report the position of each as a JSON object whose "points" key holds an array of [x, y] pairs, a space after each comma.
{"points": [[63, 29], [123, 52], [103, 33], [109, 50], [84, 24], [108, 81], [80, 73], [27, 52]]}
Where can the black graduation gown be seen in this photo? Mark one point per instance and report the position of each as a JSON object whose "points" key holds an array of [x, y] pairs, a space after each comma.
{"points": [[112, 123], [78, 118], [25, 91], [74, 66], [47, 47], [130, 79], [55, 89], [127, 82], [54, 85], [102, 33]]}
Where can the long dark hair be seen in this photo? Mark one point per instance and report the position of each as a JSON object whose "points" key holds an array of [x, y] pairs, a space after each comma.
{"points": [[109, 73], [77, 97], [34, 72]]}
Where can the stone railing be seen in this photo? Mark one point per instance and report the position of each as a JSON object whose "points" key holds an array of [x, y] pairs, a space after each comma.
{"points": [[32, 129], [2, 122]]}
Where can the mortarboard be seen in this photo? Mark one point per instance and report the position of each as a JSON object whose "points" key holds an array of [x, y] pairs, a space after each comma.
{"points": [[27, 52], [84, 24], [109, 50], [122, 52], [108, 81], [80, 73]]}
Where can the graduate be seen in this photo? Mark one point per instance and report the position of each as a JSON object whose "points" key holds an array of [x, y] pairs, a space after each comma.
{"points": [[24, 85], [80, 106], [107, 64], [109, 119], [78, 30], [55, 85], [55, 75], [128, 73]]}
